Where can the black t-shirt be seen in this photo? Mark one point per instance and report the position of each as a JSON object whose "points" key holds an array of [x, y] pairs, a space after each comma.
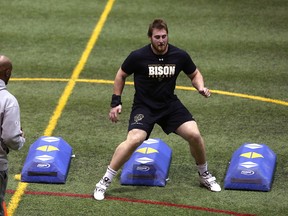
{"points": [[155, 75]]}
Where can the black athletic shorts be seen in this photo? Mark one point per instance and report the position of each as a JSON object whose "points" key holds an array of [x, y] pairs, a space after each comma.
{"points": [[169, 119]]}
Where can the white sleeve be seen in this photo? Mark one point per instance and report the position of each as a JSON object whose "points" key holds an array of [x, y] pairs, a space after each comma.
{"points": [[11, 128]]}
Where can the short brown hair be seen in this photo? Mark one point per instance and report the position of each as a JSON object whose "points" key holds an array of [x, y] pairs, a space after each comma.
{"points": [[157, 24]]}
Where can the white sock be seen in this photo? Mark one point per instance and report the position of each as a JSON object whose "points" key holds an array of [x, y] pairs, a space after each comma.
{"points": [[202, 168], [109, 175]]}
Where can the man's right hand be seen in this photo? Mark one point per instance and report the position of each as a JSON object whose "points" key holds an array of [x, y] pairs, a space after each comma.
{"points": [[114, 111]]}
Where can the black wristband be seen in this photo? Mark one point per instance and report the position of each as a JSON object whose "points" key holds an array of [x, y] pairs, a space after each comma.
{"points": [[116, 100]]}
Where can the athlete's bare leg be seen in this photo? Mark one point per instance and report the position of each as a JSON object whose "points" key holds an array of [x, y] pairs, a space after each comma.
{"points": [[190, 132], [124, 151]]}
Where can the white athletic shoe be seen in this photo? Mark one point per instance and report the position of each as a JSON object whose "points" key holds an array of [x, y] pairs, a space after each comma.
{"points": [[101, 187], [209, 181]]}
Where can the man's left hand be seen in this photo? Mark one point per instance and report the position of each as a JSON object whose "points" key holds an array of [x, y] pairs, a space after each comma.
{"points": [[205, 92]]}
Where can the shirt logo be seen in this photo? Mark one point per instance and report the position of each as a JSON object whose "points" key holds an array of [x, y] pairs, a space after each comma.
{"points": [[161, 71]]}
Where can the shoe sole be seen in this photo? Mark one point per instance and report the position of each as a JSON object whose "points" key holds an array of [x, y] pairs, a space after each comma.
{"points": [[208, 188]]}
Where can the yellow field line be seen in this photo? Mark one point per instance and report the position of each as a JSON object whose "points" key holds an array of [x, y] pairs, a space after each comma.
{"points": [[269, 100], [40, 79], [252, 97], [14, 202]]}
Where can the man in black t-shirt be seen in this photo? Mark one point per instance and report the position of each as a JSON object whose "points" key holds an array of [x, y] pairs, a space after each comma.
{"points": [[155, 68]]}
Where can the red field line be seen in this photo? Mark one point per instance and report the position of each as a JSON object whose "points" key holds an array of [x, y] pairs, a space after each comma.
{"points": [[198, 208]]}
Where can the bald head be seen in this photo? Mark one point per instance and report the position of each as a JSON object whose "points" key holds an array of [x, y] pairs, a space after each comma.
{"points": [[5, 68]]}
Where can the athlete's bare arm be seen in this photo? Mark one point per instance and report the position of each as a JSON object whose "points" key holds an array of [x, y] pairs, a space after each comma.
{"points": [[119, 84], [197, 81]]}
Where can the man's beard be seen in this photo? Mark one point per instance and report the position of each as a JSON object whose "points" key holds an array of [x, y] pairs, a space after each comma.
{"points": [[160, 49]]}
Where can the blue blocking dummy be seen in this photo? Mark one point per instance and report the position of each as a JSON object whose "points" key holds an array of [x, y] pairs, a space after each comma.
{"points": [[251, 168], [48, 161], [149, 164]]}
